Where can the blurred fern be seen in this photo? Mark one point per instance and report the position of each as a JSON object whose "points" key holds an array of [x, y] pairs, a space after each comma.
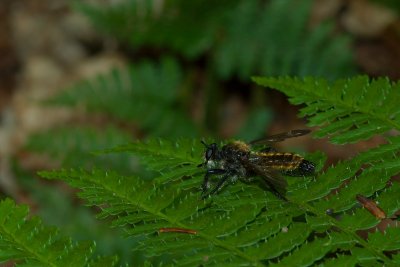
{"points": [[185, 26], [29, 243], [146, 94], [240, 37], [273, 39], [73, 147]]}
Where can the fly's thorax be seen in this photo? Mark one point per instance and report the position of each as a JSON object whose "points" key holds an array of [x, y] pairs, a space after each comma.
{"points": [[235, 150], [239, 145]]}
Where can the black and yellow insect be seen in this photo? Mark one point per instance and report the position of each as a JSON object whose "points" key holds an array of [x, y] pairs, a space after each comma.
{"points": [[237, 161]]}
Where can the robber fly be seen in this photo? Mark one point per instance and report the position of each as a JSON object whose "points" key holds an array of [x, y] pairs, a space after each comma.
{"points": [[237, 161]]}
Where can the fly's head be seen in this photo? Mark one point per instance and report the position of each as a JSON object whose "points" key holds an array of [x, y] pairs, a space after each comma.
{"points": [[211, 155]]}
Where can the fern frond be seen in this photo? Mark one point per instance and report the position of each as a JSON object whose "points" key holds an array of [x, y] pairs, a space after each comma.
{"points": [[74, 145], [347, 110], [170, 24], [244, 224], [30, 243], [249, 37], [145, 93], [166, 157], [259, 40]]}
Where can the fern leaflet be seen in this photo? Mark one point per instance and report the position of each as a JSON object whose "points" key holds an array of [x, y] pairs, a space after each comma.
{"points": [[31, 244], [347, 110]]}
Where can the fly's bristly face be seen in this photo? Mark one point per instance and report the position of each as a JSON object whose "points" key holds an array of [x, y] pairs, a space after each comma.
{"points": [[237, 161]]}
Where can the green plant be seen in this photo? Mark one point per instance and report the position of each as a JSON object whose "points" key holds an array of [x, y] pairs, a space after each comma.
{"points": [[246, 225], [179, 25], [161, 94], [29, 243], [74, 147], [148, 94], [274, 39], [348, 110], [239, 37]]}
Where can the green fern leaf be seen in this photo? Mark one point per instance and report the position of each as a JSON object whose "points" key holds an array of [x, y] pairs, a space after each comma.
{"points": [[244, 224], [166, 157], [389, 240], [30, 243], [347, 110]]}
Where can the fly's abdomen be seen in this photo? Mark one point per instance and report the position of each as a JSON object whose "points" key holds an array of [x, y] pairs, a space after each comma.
{"points": [[287, 163]]}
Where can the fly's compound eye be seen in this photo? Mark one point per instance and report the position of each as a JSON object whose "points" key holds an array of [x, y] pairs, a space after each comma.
{"points": [[211, 151]]}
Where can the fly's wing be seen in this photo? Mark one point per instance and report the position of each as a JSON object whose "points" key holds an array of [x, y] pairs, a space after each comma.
{"points": [[272, 178], [280, 137]]}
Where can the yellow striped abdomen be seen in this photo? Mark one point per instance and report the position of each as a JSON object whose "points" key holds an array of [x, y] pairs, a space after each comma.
{"points": [[280, 161]]}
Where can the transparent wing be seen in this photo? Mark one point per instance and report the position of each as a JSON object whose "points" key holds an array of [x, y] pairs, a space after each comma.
{"points": [[280, 137], [272, 178]]}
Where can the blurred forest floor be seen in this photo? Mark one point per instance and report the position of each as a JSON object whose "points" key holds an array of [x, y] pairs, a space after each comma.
{"points": [[45, 47]]}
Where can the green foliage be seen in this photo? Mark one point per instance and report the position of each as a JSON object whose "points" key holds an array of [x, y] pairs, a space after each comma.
{"points": [[59, 207], [272, 39], [30, 243], [347, 110], [147, 94], [74, 147], [239, 37], [185, 26], [245, 224]]}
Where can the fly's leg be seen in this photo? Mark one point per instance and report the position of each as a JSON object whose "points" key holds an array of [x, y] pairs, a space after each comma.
{"points": [[206, 183], [274, 190], [220, 183]]}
